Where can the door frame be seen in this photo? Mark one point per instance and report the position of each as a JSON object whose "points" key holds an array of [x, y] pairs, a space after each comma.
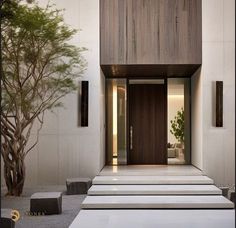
{"points": [[128, 116], [189, 161]]}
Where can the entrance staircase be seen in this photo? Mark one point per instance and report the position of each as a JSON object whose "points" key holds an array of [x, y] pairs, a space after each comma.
{"points": [[143, 192], [118, 194]]}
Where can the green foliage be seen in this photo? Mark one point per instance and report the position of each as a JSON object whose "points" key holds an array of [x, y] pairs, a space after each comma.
{"points": [[39, 64], [177, 126]]}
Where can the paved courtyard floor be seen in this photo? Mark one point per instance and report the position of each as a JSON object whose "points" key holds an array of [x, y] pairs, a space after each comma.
{"points": [[70, 208]]}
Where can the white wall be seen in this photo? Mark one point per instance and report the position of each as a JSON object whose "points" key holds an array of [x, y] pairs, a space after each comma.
{"points": [[217, 145], [64, 149], [196, 120]]}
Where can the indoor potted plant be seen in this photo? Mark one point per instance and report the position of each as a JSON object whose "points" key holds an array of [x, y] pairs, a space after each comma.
{"points": [[177, 127]]}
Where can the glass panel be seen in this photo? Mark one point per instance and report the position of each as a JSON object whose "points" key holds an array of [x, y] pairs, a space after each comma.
{"points": [[116, 121], [178, 121]]}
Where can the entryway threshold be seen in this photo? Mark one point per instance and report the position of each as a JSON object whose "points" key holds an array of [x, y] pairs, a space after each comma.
{"points": [[151, 170]]}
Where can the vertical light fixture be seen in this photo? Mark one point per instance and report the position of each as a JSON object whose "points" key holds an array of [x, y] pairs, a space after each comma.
{"points": [[84, 103], [219, 103], [114, 110]]}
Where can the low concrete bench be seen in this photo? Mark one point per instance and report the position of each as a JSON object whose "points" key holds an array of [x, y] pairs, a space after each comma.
{"points": [[47, 203], [78, 185]]}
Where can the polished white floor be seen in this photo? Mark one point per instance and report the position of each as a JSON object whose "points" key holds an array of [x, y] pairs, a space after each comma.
{"points": [[154, 190], [154, 219], [175, 161], [151, 170], [152, 180]]}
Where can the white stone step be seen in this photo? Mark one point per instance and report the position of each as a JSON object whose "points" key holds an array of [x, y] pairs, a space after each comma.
{"points": [[107, 180], [154, 218], [141, 202], [154, 190], [150, 170]]}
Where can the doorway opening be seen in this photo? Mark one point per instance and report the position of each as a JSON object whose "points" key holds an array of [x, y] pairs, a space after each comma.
{"points": [[143, 121]]}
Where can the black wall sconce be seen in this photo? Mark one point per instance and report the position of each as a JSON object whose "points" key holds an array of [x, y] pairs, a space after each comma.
{"points": [[219, 103], [84, 103]]}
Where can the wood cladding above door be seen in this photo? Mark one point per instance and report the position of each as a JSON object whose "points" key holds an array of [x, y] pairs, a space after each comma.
{"points": [[150, 32]]}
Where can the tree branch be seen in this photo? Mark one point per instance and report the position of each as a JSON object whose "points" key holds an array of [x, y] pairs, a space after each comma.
{"points": [[37, 137]]}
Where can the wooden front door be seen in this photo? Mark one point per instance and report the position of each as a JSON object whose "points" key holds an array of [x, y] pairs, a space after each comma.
{"points": [[147, 124]]}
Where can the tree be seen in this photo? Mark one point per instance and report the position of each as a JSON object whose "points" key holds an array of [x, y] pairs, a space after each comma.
{"points": [[177, 126], [39, 67]]}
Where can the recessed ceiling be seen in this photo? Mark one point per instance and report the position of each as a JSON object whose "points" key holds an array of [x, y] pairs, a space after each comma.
{"points": [[149, 71]]}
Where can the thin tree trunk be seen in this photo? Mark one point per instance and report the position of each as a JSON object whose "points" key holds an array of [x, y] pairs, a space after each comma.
{"points": [[15, 177]]}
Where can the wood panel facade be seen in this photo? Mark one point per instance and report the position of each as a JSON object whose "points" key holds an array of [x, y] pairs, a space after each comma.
{"points": [[137, 32]]}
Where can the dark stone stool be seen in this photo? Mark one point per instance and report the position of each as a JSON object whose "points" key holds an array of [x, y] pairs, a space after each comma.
{"points": [[78, 185], [225, 191], [47, 203], [232, 196], [6, 218], [7, 222]]}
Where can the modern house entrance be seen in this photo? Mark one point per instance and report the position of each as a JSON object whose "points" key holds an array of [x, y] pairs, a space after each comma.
{"points": [[149, 40]]}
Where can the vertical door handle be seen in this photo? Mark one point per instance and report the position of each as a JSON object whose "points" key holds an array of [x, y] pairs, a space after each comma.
{"points": [[131, 137]]}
